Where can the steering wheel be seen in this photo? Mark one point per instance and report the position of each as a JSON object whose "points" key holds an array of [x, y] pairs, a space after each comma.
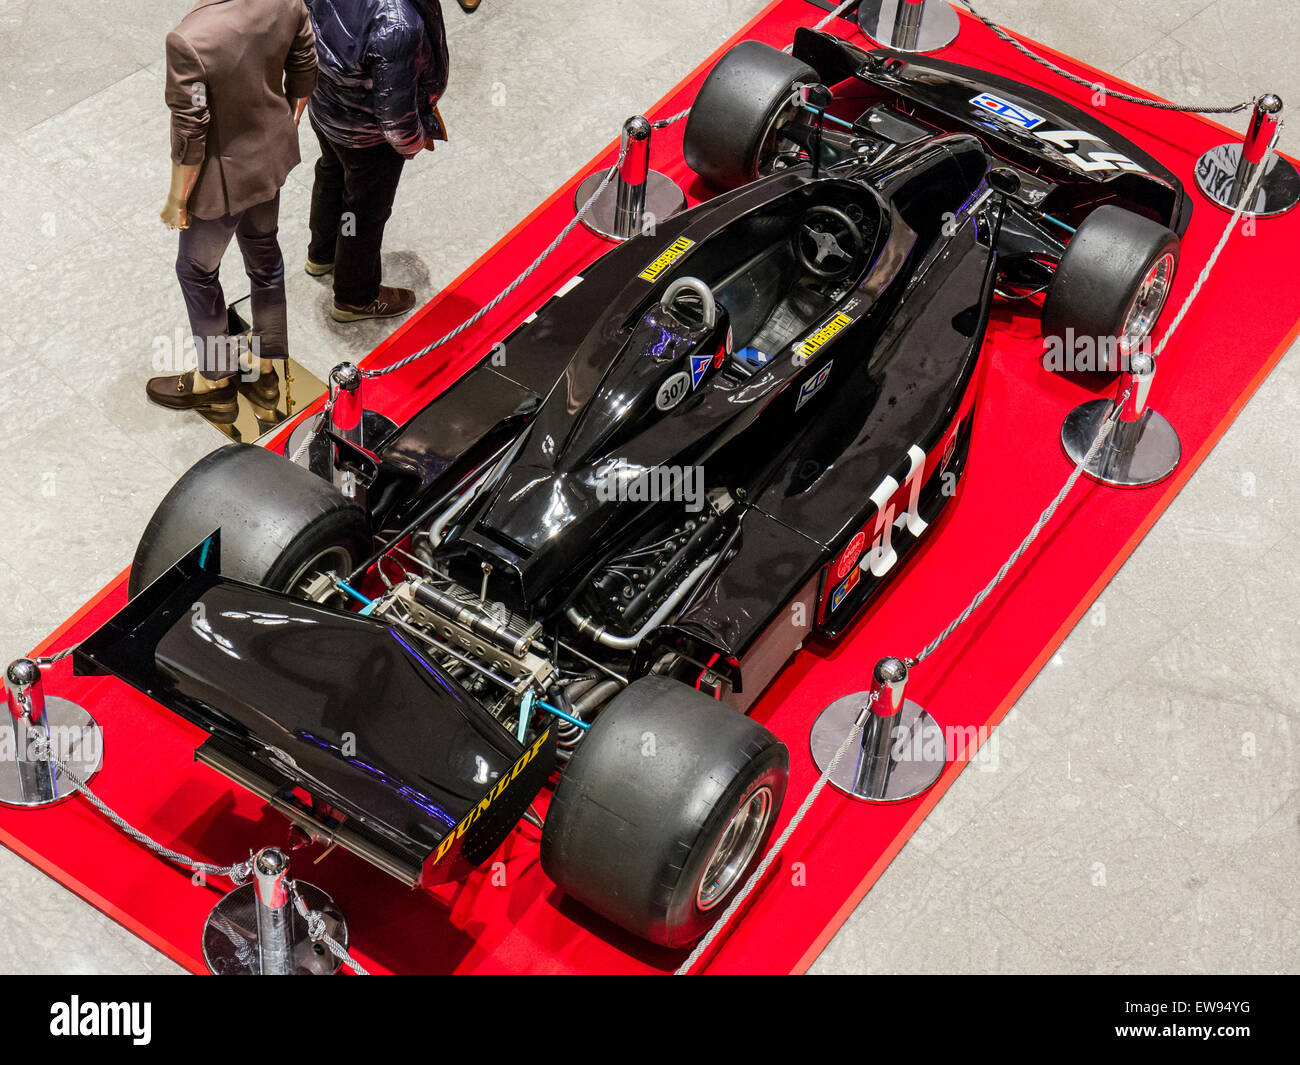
{"points": [[829, 242]]}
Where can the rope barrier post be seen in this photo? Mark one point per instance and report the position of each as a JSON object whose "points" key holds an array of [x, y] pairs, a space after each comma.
{"points": [[639, 197], [260, 929], [902, 751], [1141, 450], [274, 912], [37, 724], [1225, 173], [346, 417], [910, 25]]}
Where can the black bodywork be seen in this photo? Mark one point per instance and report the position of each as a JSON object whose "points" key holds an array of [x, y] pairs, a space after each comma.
{"points": [[824, 424], [320, 711]]}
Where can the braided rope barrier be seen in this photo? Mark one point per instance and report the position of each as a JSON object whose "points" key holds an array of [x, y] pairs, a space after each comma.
{"points": [[1143, 101], [239, 872]]}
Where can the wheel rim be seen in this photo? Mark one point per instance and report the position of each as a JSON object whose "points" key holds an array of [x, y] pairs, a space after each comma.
{"points": [[1148, 302], [332, 562], [734, 849], [769, 144]]}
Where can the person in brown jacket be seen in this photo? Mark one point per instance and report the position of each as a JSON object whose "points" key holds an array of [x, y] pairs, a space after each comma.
{"points": [[235, 72]]}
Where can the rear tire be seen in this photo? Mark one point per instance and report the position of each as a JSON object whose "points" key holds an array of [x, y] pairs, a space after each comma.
{"points": [[641, 813], [276, 520], [735, 121], [1097, 288]]}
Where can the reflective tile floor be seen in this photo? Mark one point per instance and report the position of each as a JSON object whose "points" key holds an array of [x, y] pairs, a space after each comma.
{"points": [[1122, 827]]}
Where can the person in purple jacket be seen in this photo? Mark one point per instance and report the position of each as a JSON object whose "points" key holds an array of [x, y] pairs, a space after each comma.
{"points": [[382, 69]]}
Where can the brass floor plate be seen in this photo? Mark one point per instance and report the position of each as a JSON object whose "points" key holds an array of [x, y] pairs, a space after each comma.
{"points": [[299, 387]]}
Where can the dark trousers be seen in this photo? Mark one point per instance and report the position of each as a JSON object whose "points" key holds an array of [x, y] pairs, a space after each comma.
{"points": [[198, 262], [351, 202]]}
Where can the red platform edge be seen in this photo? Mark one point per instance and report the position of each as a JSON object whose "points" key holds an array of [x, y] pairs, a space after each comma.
{"points": [[842, 847]]}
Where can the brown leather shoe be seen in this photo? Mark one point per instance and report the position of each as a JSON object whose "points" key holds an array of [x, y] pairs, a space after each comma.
{"points": [[263, 390], [469, 6], [176, 392], [388, 304]]}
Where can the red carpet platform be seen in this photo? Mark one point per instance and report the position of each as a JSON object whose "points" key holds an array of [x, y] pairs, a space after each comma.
{"points": [[1016, 466]]}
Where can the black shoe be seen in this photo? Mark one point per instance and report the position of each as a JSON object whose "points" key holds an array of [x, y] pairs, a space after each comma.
{"points": [[263, 390], [177, 393]]}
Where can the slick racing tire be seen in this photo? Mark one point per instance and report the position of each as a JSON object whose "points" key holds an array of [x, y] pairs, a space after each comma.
{"points": [[279, 523], [664, 810], [735, 121], [1112, 283]]}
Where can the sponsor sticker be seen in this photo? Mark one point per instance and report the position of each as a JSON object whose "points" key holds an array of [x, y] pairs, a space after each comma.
{"points": [[502, 783], [724, 349], [812, 386], [674, 251], [810, 345], [843, 590], [850, 555], [699, 366], [1012, 114], [674, 390]]}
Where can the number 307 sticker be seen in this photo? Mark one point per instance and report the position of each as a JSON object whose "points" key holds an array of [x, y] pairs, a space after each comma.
{"points": [[673, 391]]}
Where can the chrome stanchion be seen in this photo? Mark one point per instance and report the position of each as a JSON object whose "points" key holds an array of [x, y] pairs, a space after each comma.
{"points": [[910, 25], [257, 931], [347, 415], [1224, 173], [349, 419], [1142, 448], [27, 776], [638, 196], [274, 912], [902, 751]]}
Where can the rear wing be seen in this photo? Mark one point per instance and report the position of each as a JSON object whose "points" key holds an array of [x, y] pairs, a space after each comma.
{"points": [[1027, 127]]}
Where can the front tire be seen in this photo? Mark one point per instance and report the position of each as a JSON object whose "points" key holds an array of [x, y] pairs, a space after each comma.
{"points": [[279, 523], [1111, 284], [664, 810], [736, 120]]}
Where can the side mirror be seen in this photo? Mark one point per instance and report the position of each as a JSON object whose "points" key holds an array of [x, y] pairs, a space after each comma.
{"points": [[1004, 180], [817, 96]]}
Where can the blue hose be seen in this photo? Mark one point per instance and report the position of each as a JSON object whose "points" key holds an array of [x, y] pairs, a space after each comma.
{"points": [[345, 587], [562, 715]]}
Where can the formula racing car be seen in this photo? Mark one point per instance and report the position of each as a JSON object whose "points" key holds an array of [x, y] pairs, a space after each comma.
{"points": [[579, 566]]}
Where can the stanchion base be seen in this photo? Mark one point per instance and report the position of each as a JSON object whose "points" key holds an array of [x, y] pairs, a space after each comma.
{"points": [[318, 457], [663, 199], [230, 935], [75, 738], [939, 25], [918, 753], [1151, 458], [1278, 191]]}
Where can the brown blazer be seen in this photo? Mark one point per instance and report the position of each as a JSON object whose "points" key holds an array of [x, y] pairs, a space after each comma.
{"points": [[232, 67]]}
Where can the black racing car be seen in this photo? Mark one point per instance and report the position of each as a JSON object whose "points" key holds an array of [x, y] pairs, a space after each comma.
{"points": [[592, 556]]}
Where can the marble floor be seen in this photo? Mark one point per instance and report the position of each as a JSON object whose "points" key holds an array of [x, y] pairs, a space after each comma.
{"points": [[1144, 812]]}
